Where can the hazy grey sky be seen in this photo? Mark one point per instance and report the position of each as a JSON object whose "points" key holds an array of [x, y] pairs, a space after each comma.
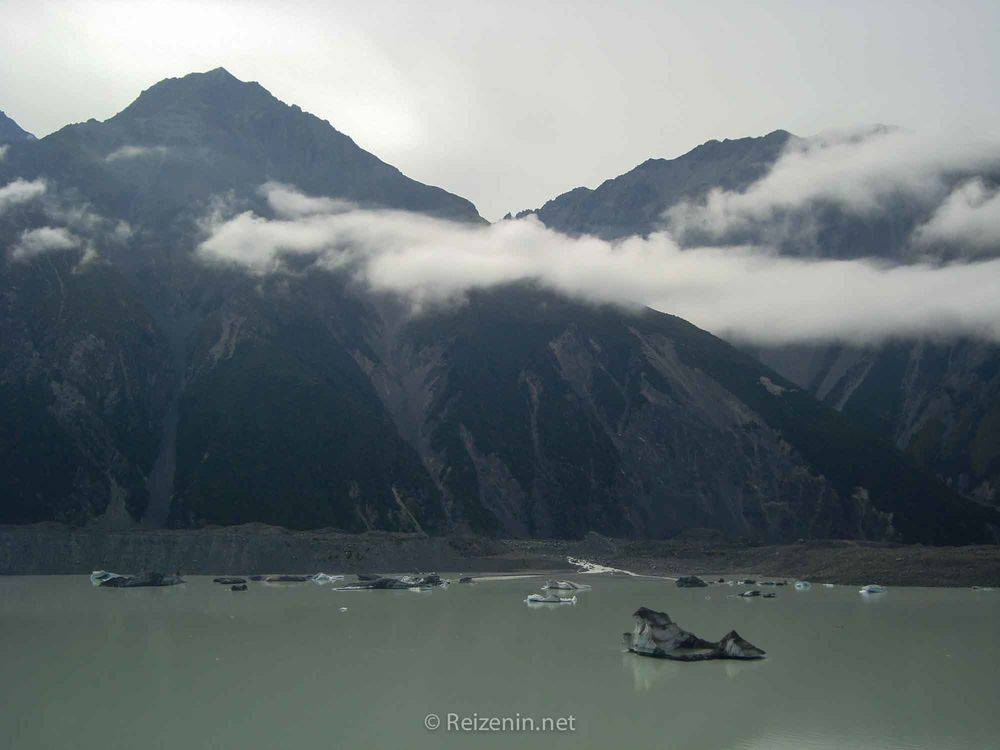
{"points": [[510, 103]]}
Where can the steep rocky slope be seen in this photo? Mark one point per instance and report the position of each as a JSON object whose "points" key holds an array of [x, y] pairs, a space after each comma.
{"points": [[11, 132], [556, 418], [143, 385], [938, 401], [103, 362]]}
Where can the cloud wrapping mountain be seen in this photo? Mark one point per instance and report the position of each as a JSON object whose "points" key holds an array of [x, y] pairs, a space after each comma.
{"points": [[20, 191], [864, 174], [135, 152], [35, 242], [743, 293], [969, 216]]}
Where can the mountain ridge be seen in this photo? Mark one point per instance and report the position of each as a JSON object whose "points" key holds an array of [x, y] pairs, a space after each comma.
{"points": [[937, 402], [205, 134], [148, 385], [632, 203], [11, 132]]}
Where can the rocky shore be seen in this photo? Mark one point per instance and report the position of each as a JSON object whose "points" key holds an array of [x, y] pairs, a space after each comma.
{"points": [[256, 548]]}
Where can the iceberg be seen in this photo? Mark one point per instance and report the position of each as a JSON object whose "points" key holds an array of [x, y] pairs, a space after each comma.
{"points": [[564, 586], [98, 577], [405, 582], [549, 599], [872, 588], [656, 635], [324, 578], [116, 581], [689, 582]]}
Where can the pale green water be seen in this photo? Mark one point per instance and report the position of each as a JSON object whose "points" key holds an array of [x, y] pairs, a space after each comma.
{"points": [[199, 666]]}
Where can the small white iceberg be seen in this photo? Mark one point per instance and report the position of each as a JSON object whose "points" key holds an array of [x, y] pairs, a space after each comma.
{"points": [[549, 599], [872, 588], [828, 585], [802, 585]]}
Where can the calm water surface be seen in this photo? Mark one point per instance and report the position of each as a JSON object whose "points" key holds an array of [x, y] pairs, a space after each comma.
{"points": [[199, 666]]}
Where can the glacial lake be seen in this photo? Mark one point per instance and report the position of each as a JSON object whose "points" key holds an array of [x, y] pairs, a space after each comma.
{"points": [[280, 666]]}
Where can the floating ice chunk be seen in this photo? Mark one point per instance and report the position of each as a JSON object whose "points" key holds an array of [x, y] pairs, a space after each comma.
{"points": [[549, 599], [114, 580], [872, 588], [342, 609], [324, 578], [828, 585], [802, 585], [100, 576], [690, 582], [564, 586], [655, 634]]}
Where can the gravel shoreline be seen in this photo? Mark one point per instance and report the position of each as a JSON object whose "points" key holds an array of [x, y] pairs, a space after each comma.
{"points": [[256, 548]]}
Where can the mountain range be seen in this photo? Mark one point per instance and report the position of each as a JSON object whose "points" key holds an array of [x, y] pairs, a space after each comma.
{"points": [[936, 401], [141, 385], [11, 132]]}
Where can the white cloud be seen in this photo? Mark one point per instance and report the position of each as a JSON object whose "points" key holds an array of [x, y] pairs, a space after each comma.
{"points": [[35, 242], [289, 203], [135, 152], [741, 293], [969, 217], [861, 173], [20, 191]]}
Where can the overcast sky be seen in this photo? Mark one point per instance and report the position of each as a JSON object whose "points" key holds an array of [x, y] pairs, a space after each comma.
{"points": [[508, 103]]}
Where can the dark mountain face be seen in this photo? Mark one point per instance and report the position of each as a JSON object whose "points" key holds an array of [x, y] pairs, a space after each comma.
{"points": [[11, 132], [634, 202], [548, 417], [145, 386], [186, 141], [937, 402]]}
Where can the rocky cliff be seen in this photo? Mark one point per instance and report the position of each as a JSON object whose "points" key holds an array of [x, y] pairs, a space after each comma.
{"points": [[144, 386], [936, 400]]}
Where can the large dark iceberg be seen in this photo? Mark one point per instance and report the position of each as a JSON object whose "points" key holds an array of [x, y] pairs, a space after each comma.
{"points": [[656, 635], [105, 579], [406, 582]]}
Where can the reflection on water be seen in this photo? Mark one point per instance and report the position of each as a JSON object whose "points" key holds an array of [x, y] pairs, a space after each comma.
{"points": [[200, 666], [647, 672]]}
